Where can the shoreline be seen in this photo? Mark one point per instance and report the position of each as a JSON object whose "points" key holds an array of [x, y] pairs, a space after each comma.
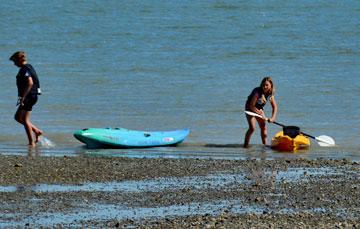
{"points": [[179, 192], [80, 169]]}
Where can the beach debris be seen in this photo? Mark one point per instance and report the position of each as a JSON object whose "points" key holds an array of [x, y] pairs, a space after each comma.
{"points": [[18, 165]]}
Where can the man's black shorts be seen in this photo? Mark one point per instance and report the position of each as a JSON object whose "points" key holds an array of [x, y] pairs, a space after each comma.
{"points": [[29, 102]]}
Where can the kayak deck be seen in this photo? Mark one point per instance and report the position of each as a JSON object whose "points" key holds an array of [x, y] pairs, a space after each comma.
{"points": [[125, 138], [285, 143]]}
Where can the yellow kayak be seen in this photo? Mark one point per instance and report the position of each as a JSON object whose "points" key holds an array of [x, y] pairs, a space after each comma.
{"points": [[283, 142]]}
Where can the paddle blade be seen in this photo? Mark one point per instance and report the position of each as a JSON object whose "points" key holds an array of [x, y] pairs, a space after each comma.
{"points": [[325, 141], [253, 114]]}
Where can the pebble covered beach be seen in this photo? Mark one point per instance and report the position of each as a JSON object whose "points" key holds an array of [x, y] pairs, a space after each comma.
{"points": [[178, 193]]}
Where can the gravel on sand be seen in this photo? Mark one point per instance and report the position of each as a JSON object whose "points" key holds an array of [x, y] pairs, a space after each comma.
{"points": [[287, 193]]}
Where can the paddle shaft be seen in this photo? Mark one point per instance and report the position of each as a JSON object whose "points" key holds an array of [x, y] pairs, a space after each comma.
{"points": [[323, 138], [307, 135]]}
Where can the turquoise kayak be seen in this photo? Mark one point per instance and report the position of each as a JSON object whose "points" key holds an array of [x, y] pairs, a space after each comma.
{"points": [[124, 138]]}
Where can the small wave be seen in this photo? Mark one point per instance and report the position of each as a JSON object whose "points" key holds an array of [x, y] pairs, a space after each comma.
{"points": [[46, 143], [211, 145]]}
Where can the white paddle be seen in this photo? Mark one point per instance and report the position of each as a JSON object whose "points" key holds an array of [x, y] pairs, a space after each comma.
{"points": [[322, 140]]}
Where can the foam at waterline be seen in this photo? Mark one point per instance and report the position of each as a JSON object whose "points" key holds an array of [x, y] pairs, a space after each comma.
{"points": [[46, 143]]}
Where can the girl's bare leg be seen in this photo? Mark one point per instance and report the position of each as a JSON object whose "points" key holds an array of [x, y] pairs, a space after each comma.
{"points": [[263, 128], [250, 131]]}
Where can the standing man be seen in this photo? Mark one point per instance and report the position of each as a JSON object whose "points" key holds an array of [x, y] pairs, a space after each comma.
{"points": [[28, 90]]}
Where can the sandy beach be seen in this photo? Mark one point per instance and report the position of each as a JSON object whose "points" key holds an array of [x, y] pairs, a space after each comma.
{"points": [[178, 193]]}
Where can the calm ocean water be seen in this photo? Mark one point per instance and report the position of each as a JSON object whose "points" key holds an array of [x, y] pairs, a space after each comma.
{"points": [[163, 65]]}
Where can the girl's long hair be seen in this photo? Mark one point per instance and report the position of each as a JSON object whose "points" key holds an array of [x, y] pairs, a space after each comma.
{"points": [[272, 91]]}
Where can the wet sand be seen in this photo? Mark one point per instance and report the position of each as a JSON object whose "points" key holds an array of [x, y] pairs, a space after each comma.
{"points": [[178, 193]]}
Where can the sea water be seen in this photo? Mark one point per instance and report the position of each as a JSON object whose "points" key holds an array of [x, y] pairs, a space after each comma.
{"points": [[164, 65]]}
